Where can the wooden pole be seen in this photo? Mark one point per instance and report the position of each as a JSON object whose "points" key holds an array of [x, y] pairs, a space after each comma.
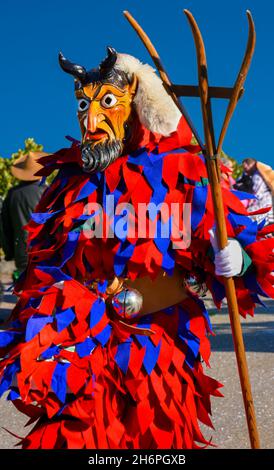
{"points": [[214, 180], [162, 72], [212, 153]]}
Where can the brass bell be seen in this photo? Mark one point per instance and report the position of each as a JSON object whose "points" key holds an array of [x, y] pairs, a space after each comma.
{"points": [[127, 303]]}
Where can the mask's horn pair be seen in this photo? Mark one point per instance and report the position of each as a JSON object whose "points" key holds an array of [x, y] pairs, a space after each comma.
{"points": [[79, 72]]}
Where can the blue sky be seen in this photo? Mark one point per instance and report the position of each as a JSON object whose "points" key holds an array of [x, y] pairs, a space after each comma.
{"points": [[37, 97]]}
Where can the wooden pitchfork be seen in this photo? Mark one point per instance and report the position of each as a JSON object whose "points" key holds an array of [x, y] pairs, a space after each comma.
{"points": [[212, 155]]}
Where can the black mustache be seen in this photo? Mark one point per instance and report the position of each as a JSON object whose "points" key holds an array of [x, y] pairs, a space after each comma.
{"points": [[99, 157]]}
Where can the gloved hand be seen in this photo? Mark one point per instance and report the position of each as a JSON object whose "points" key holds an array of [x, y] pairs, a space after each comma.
{"points": [[228, 261]]}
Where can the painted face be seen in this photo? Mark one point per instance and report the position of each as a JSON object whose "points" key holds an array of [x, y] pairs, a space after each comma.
{"points": [[103, 111]]}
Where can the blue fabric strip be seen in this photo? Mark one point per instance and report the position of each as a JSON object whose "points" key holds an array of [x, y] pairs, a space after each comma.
{"points": [[97, 312], [35, 324], [42, 217], [191, 341], [64, 318], [104, 335], [59, 381], [9, 372], [86, 191], [122, 256], [249, 233], [56, 273], [122, 356], [7, 337], [151, 356], [198, 205], [219, 290], [50, 352], [13, 395], [85, 348], [243, 195], [154, 177], [163, 234], [70, 247]]}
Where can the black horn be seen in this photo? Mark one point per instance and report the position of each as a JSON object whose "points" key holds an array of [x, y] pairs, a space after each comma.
{"points": [[73, 69], [108, 63]]}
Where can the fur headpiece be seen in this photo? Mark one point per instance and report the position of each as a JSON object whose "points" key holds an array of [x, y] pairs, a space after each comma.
{"points": [[155, 108]]}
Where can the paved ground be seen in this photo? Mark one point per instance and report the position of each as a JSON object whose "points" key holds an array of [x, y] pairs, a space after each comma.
{"points": [[228, 413]]}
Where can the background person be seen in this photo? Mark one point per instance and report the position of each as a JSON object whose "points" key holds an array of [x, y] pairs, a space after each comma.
{"points": [[17, 208], [227, 168], [262, 178]]}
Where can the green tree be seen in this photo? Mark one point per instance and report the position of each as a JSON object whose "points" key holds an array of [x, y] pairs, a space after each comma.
{"points": [[7, 180]]}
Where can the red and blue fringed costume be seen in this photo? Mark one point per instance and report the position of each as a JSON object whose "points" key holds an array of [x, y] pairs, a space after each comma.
{"points": [[84, 379]]}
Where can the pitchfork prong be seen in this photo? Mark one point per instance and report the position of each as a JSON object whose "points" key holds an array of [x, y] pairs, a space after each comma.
{"points": [[239, 83], [162, 72], [218, 205], [214, 179], [203, 84]]}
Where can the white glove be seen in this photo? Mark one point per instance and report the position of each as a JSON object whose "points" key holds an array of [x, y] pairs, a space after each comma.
{"points": [[228, 261]]}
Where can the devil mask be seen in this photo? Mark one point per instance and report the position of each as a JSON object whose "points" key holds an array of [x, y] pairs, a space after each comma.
{"points": [[105, 96], [113, 101]]}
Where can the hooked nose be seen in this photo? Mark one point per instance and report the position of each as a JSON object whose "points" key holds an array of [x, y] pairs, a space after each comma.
{"points": [[94, 118]]}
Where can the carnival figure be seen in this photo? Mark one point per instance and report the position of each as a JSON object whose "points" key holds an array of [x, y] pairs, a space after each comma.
{"points": [[107, 345]]}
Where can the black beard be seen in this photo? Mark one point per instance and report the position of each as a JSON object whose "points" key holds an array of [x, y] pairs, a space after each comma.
{"points": [[99, 157]]}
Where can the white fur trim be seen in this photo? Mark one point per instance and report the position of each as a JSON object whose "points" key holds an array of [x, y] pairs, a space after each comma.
{"points": [[155, 108]]}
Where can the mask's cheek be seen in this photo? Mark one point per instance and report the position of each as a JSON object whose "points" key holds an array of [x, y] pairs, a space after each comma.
{"points": [[118, 117], [83, 119]]}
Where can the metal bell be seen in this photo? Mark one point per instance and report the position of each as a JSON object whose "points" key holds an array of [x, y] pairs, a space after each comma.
{"points": [[127, 303]]}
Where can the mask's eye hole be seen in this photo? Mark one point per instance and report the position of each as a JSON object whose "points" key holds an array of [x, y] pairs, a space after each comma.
{"points": [[108, 100], [83, 105]]}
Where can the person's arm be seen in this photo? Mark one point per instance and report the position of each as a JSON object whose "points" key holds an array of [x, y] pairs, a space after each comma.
{"points": [[6, 232]]}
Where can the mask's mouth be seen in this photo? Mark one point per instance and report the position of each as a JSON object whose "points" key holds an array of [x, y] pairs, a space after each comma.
{"points": [[94, 136], [98, 157]]}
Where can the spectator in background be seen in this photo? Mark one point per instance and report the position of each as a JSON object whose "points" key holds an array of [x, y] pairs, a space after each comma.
{"points": [[17, 208], [227, 168], [244, 183], [261, 177]]}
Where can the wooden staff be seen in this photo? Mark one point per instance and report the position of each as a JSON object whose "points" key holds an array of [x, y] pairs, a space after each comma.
{"points": [[212, 155]]}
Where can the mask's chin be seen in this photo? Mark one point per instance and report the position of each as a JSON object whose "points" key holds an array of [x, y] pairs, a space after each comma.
{"points": [[99, 156]]}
